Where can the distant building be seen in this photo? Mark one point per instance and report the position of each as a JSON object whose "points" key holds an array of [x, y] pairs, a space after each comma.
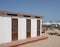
{"points": [[56, 24]]}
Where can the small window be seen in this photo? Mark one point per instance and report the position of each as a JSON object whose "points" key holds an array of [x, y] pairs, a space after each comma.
{"points": [[37, 17], [12, 14], [26, 16]]}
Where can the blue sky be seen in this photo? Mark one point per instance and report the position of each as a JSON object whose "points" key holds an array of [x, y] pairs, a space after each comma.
{"points": [[50, 9]]}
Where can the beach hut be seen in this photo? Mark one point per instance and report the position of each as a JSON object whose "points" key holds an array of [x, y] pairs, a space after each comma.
{"points": [[17, 26]]}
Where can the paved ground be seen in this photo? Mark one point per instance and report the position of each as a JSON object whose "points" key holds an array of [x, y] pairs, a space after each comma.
{"points": [[52, 41]]}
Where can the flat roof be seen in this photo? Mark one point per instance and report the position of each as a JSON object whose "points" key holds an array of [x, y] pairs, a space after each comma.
{"points": [[17, 13]]}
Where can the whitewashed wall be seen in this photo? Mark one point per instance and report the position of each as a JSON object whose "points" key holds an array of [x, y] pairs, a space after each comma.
{"points": [[33, 27], [40, 27], [1, 29], [5, 29], [21, 28]]}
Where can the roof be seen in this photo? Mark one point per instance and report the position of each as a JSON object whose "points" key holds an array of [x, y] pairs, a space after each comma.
{"points": [[17, 13]]}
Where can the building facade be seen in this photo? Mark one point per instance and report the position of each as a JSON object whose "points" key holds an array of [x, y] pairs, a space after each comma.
{"points": [[17, 26]]}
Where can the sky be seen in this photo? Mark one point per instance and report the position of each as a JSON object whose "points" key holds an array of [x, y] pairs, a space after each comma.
{"points": [[50, 9]]}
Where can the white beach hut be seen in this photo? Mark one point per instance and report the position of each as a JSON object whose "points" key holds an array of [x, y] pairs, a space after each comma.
{"points": [[18, 26]]}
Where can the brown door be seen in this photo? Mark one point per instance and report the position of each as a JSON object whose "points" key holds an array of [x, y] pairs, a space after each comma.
{"points": [[14, 29], [28, 28], [38, 27]]}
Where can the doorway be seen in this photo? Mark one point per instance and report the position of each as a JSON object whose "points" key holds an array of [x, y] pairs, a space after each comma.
{"points": [[28, 28], [38, 27], [14, 29]]}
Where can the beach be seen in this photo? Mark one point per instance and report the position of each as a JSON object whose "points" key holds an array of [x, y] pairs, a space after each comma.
{"points": [[52, 41]]}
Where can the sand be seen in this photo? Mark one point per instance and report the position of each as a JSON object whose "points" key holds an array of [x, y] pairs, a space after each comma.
{"points": [[52, 41]]}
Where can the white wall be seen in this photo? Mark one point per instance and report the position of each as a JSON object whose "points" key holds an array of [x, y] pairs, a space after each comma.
{"points": [[1, 29], [40, 27], [33, 27], [21, 28], [5, 29]]}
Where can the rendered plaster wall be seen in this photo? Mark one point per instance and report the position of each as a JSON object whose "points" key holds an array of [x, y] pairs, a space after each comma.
{"points": [[21, 28], [5, 29], [33, 27]]}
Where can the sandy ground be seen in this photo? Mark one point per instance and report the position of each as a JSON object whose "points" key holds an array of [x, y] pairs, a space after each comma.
{"points": [[52, 41]]}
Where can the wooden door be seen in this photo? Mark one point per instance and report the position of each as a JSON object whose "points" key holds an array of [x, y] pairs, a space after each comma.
{"points": [[28, 28], [38, 27], [14, 29]]}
